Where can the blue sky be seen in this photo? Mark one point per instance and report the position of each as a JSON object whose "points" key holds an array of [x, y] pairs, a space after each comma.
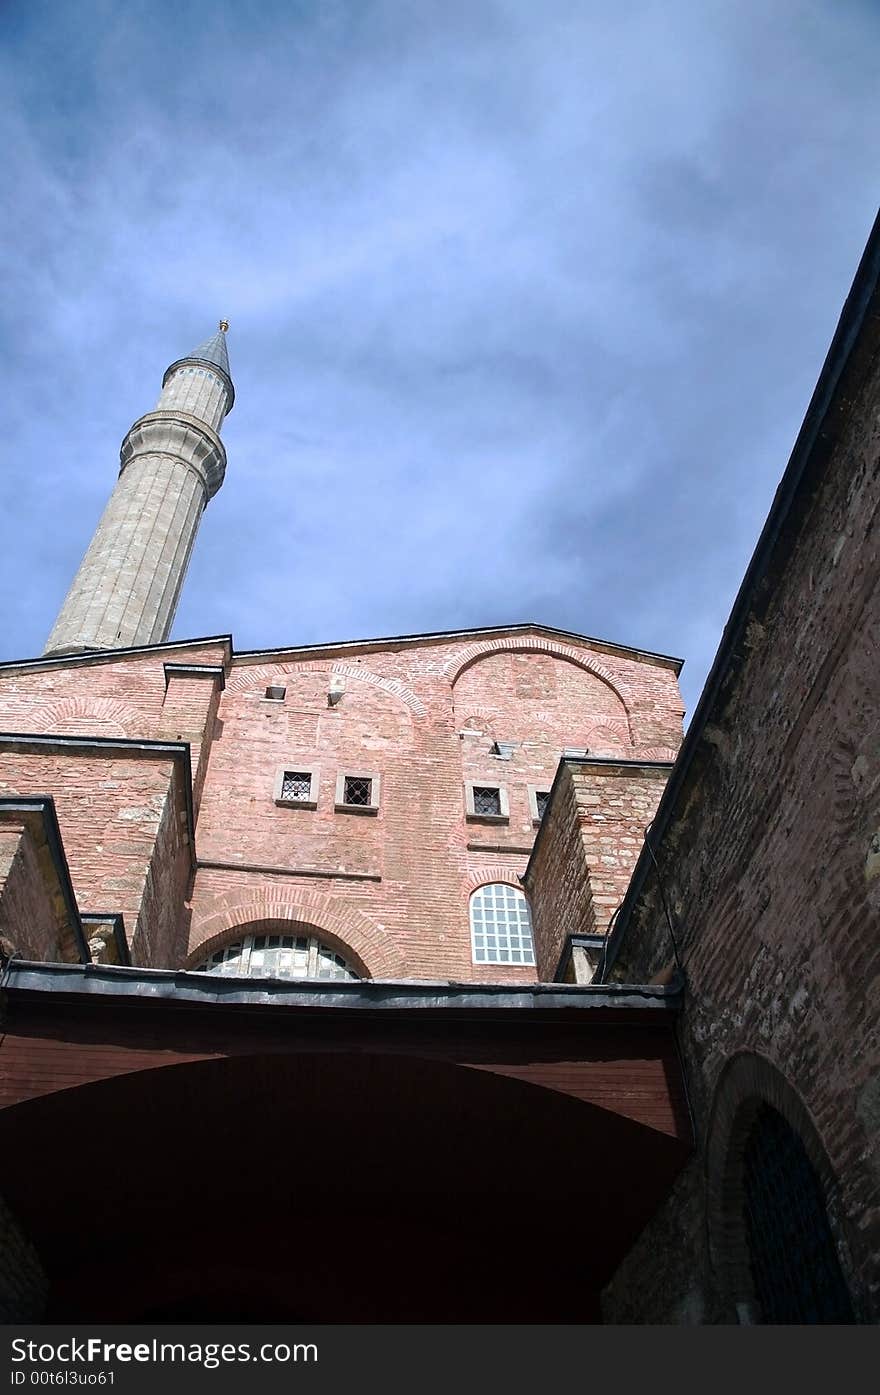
{"points": [[527, 300]]}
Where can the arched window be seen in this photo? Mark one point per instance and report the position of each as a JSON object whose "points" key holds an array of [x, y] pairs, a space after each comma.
{"points": [[501, 927], [792, 1255], [278, 956]]}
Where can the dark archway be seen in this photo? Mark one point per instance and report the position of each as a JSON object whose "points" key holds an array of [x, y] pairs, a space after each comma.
{"points": [[775, 1224], [335, 1187], [792, 1257]]}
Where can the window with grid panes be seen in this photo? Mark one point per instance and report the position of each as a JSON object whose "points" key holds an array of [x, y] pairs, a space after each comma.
{"points": [[501, 927], [542, 799], [357, 789], [278, 956], [296, 784], [487, 799]]}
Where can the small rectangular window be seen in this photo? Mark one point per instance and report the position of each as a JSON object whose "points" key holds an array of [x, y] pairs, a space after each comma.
{"points": [[486, 802], [487, 799], [357, 793], [296, 786], [357, 790], [274, 693]]}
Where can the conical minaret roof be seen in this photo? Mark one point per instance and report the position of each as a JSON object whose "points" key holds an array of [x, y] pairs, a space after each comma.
{"points": [[214, 354], [214, 350]]}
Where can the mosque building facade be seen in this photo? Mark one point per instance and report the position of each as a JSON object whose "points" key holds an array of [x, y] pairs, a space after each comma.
{"points": [[358, 991]]}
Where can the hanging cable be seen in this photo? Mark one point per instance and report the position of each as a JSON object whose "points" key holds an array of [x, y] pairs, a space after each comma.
{"points": [[600, 973], [663, 900]]}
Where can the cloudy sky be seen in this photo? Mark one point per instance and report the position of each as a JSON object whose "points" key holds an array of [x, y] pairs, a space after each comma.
{"points": [[527, 297]]}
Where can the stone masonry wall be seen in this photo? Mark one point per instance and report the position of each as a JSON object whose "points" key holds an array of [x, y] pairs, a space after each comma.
{"points": [[557, 878], [23, 1283], [29, 920], [772, 868], [587, 848]]}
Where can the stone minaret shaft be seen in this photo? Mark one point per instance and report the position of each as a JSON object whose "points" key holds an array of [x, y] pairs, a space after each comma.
{"points": [[126, 590]]}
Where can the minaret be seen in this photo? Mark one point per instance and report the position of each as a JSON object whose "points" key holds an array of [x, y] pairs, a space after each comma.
{"points": [[173, 461]]}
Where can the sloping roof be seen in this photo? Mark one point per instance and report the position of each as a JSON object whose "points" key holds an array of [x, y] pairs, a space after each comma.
{"points": [[473, 632], [332, 646]]}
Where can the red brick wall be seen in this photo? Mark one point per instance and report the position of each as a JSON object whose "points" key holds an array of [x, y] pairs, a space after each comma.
{"points": [[189, 710], [160, 933], [110, 808], [408, 871], [393, 887], [96, 697]]}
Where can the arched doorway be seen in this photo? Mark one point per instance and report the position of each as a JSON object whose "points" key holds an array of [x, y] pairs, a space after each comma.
{"points": [[792, 1256], [775, 1228]]}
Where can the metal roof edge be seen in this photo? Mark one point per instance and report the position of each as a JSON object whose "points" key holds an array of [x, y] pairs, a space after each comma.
{"points": [[200, 989]]}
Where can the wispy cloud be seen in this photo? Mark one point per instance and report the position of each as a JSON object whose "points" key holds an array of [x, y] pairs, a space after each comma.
{"points": [[527, 301]]}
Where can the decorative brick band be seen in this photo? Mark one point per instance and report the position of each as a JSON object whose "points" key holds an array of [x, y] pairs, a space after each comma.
{"points": [[747, 1083], [80, 716], [351, 932], [460, 662], [390, 685], [255, 677]]}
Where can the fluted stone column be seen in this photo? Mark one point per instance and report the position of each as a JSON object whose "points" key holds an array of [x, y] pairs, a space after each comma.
{"points": [[172, 462]]}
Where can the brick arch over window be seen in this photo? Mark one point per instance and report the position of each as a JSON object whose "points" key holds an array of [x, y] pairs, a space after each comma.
{"points": [[486, 875], [81, 716], [605, 736], [748, 1083], [251, 678], [460, 662], [351, 932]]}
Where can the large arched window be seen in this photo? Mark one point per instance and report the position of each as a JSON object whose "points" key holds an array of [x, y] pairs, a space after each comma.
{"points": [[278, 956], [501, 928], [792, 1255]]}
